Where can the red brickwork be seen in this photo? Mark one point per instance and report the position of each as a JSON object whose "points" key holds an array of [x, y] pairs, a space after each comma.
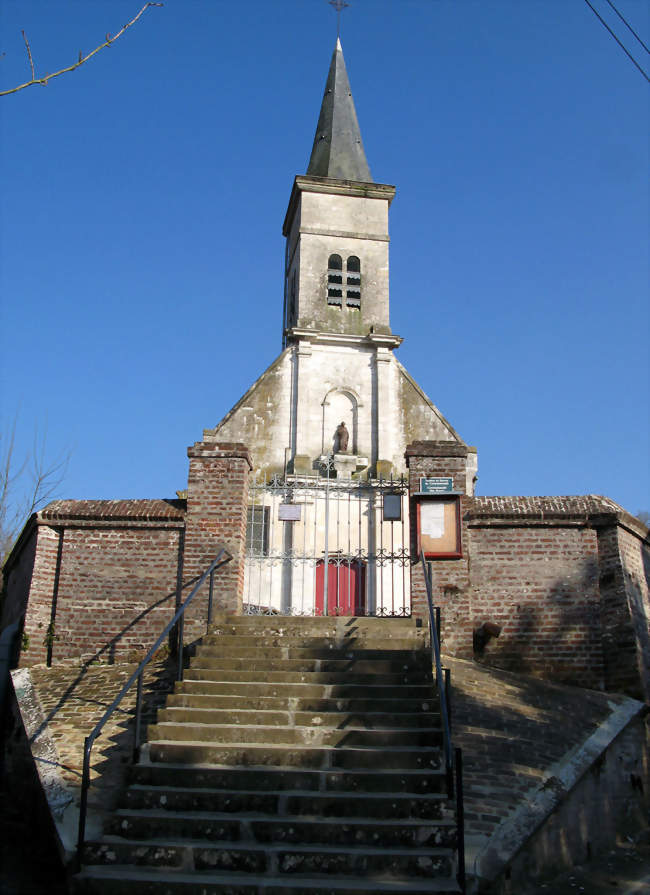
{"points": [[116, 590], [114, 593], [635, 554], [539, 584], [451, 576], [39, 608], [217, 500], [624, 560], [552, 586], [18, 576]]}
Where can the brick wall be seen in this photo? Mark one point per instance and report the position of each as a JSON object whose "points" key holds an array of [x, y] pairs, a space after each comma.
{"points": [[17, 576], [635, 554], [624, 556], [556, 587], [217, 498], [451, 576], [38, 608], [538, 583], [116, 590], [104, 578]]}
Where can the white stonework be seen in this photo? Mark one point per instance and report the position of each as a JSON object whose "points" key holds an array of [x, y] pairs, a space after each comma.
{"points": [[295, 406], [318, 534], [339, 363]]}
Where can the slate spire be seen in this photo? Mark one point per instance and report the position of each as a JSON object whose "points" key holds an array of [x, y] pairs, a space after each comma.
{"points": [[338, 150]]}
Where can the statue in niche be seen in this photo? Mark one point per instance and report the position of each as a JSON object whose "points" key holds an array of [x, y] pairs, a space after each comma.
{"points": [[342, 438]]}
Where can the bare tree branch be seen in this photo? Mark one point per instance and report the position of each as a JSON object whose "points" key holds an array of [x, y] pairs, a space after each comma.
{"points": [[27, 487], [47, 77], [29, 53]]}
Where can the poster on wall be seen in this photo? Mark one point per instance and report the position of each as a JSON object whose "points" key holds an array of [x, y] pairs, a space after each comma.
{"points": [[439, 527]]}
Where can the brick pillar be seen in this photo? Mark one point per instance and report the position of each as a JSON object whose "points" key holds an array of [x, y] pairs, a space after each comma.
{"points": [[450, 576], [217, 499]]}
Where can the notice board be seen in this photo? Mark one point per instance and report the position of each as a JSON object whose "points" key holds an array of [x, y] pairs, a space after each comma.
{"points": [[439, 527]]}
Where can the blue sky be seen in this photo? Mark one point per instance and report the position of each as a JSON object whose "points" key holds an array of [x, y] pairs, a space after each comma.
{"points": [[143, 197]]}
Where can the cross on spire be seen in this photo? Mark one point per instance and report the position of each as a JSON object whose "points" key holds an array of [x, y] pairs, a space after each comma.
{"points": [[338, 5]]}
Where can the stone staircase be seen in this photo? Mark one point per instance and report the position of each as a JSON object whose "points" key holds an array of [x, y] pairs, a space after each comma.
{"points": [[297, 756]]}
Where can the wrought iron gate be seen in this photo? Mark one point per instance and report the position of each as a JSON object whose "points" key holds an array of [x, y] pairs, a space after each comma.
{"points": [[327, 546]]}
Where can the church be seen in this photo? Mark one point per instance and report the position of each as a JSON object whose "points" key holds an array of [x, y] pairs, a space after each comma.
{"points": [[330, 478], [340, 494]]}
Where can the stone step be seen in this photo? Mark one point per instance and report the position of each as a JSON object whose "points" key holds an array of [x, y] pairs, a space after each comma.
{"points": [[274, 858], [203, 670], [189, 695], [189, 714], [318, 623], [298, 639], [268, 779], [131, 880], [282, 802], [293, 735], [212, 658], [248, 828], [194, 683], [317, 757], [230, 647]]}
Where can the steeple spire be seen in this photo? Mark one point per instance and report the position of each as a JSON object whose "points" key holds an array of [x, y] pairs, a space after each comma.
{"points": [[338, 150]]}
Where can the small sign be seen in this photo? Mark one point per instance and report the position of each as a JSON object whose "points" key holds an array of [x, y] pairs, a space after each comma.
{"points": [[436, 485], [289, 512], [392, 507]]}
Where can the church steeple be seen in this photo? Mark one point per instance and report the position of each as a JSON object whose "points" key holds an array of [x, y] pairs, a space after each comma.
{"points": [[338, 149], [336, 226]]}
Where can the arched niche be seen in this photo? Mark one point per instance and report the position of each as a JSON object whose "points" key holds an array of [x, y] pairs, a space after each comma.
{"points": [[340, 405]]}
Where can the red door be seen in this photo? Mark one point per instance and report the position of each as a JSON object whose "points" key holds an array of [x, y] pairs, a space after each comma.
{"points": [[346, 588]]}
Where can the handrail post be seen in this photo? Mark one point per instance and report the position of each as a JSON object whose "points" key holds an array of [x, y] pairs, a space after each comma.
{"points": [[460, 820], [181, 639], [83, 801], [210, 593], [138, 718], [447, 673]]}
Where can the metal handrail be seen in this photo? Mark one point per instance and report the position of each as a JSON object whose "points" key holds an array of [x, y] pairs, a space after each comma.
{"points": [[221, 559], [453, 758], [440, 681]]}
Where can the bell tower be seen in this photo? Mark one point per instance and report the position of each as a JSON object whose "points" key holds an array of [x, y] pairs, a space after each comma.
{"points": [[336, 230], [336, 400]]}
